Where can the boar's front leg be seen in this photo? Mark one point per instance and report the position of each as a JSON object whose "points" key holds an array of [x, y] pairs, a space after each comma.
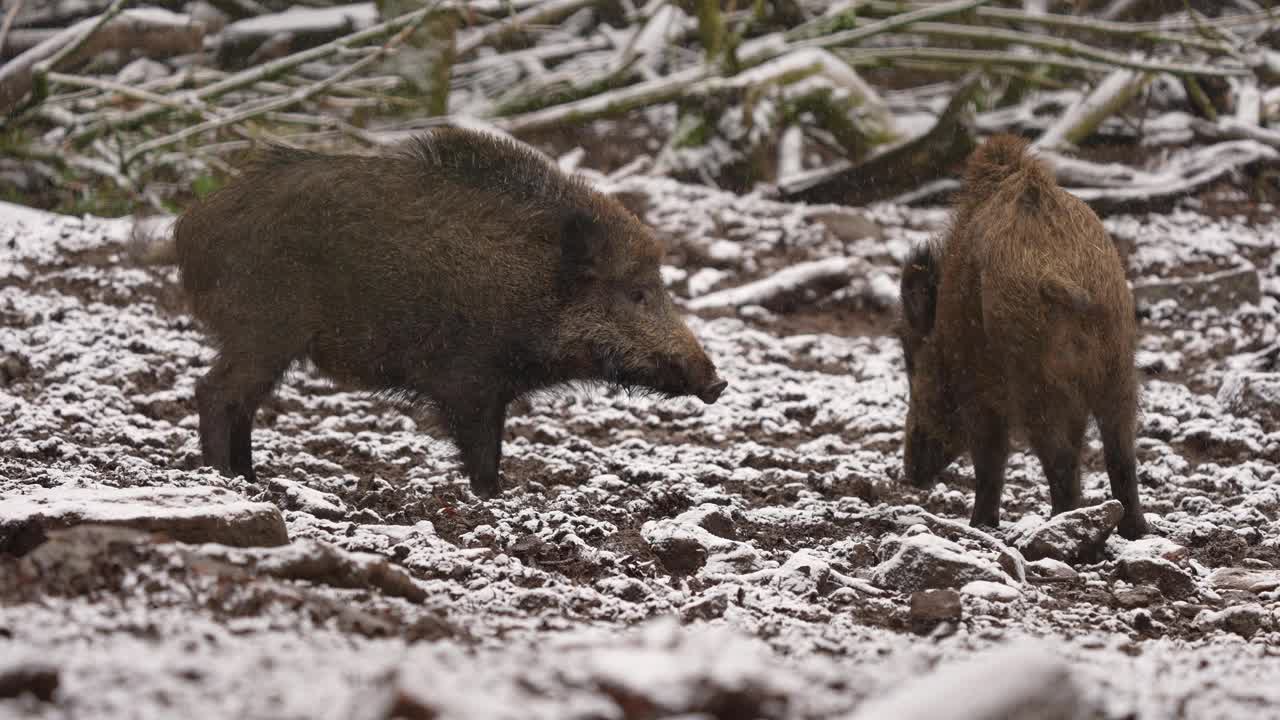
{"points": [[227, 398], [989, 448], [476, 427]]}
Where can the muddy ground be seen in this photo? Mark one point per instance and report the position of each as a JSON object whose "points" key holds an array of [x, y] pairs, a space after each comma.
{"points": [[753, 558]]}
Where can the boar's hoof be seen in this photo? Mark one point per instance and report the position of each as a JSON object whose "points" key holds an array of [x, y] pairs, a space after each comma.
{"points": [[711, 393], [1132, 526], [486, 489]]}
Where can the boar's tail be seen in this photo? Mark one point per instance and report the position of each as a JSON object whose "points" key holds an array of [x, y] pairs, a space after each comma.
{"points": [[1068, 295], [1000, 158]]}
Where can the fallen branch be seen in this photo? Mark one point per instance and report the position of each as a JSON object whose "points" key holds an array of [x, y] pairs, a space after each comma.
{"points": [[1067, 46], [897, 168], [8, 23], [158, 32], [1113, 187], [259, 108], [249, 77], [1081, 119], [784, 287]]}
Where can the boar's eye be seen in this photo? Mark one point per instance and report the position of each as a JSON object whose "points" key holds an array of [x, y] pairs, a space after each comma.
{"points": [[638, 296]]}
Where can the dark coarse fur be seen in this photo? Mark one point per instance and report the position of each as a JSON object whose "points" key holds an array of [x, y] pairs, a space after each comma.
{"points": [[1021, 320], [460, 270]]}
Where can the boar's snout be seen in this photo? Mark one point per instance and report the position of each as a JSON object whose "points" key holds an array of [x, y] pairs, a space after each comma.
{"points": [[711, 393]]}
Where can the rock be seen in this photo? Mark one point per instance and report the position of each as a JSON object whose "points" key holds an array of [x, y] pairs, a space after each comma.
{"points": [[317, 562], [707, 607], [1171, 579], [922, 562], [929, 607], [1225, 290], [1048, 570], [1154, 547], [987, 590], [1254, 581], [627, 588], [683, 543], [847, 225], [13, 367], [1024, 681], [1138, 596], [1254, 395], [192, 515], [1243, 620], [28, 676], [1074, 536], [309, 500]]}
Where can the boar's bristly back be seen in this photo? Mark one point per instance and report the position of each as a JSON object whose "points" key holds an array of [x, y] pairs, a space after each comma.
{"points": [[999, 159]]}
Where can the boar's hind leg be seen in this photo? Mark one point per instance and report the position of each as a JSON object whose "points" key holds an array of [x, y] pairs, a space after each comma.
{"points": [[477, 429], [989, 447], [1117, 430], [228, 396], [1057, 442]]}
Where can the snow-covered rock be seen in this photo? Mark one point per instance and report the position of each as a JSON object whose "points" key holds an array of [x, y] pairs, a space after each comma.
{"points": [[192, 514], [926, 561], [1073, 536]]}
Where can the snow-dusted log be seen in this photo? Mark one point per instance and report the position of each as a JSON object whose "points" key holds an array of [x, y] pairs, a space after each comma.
{"points": [[152, 31], [302, 25], [1024, 681], [897, 168], [1108, 98], [783, 287], [1113, 186]]}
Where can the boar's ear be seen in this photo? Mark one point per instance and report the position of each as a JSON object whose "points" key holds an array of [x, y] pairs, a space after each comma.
{"points": [[919, 289], [579, 248]]}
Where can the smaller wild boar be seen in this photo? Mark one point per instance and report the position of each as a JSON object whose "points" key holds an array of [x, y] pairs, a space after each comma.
{"points": [[460, 270], [1020, 320]]}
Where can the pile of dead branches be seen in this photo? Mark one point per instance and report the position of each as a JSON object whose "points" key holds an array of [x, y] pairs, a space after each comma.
{"points": [[146, 100]]}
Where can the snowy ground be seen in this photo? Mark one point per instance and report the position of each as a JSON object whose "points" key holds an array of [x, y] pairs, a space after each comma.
{"points": [[754, 558]]}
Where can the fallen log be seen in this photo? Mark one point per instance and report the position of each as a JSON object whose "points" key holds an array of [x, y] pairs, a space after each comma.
{"points": [[1113, 187], [784, 288], [152, 31], [898, 168]]}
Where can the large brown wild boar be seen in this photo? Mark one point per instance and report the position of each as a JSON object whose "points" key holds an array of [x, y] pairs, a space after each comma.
{"points": [[1020, 320], [460, 270]]}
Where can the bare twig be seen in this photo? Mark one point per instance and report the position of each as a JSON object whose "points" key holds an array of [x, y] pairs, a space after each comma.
{"points": [[260, 108], [8, 22], [40, 71], [890, 24], [1067, 47], [253, 75]]}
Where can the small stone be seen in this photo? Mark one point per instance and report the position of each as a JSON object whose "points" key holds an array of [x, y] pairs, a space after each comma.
{"points": [[1074, 536], [13, 367], [1243, 620], [708, 607], [1154, 547], [1048, 570], [1159, 572], [1253, 581], [192, 515], [34, 677], [1254, 395], [848, 225], [1021, 681], [930, 607], [987, 590], [1138, 596], [922, 562]]}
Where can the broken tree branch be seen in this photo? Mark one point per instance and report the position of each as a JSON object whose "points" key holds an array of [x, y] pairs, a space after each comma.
{"points": [[260, 108]]}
